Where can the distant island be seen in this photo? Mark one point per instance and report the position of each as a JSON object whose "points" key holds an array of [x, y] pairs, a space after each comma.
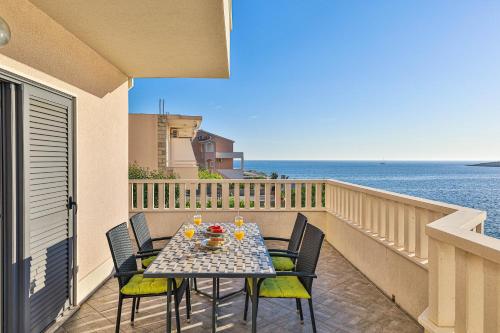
{"points": [[487, 164]]}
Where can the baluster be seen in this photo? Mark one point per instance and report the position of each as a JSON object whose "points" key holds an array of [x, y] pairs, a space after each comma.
{"points": [[236, 195], [267, 195], [355, 218], [247, 195], [338, 202], [203, 196], [328, 197], [421, 241], [288, 196], [213, 195], [360, 209], [192, 195], [140, 196], [383, 219], [171, 196], [131, 196], [392, 226], [368, 213], [375, 215], [161, 196], [149, 193], [340, 210], [298, 196], [225, 195], [182, 195], [256, 194], [277, 195], [318, 196], [308, 195], [400, 221], [410, 229]]}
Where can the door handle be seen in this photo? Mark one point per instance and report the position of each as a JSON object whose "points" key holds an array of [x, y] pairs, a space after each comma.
{"points": [[72, 204]]}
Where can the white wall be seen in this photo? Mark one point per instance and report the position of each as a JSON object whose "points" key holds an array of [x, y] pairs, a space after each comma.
{"points": [[101, 177]]}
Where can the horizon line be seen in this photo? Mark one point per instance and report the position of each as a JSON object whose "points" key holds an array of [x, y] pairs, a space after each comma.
{"points": [[369, 160]]}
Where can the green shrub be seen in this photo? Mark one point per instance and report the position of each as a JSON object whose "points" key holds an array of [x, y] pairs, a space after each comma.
{"points": [[206, 174]]}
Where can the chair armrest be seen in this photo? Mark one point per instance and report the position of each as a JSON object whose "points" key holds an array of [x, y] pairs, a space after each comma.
{"points": [[287, 255], [127, 273], [149, 252], [298, 274], [281, 251], [161, 238], [145, 255], [277, 239]]}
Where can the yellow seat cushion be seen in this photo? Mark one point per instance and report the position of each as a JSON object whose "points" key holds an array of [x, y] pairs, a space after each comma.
{"points": [[139, 285], [283, 263], [282, 287], [147, 261]]}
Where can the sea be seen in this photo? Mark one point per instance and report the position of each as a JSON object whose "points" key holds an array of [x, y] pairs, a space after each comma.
{"points": [[451, 182]]}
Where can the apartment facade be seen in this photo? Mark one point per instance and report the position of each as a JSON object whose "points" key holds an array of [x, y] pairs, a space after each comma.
{"points": [[64, 80], [216, 153], [163, 142]]}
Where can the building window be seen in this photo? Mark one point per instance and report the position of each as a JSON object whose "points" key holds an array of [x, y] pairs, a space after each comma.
{"points": [[209, 147]]}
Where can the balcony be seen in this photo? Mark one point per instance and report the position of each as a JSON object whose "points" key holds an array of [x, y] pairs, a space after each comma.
{"points": [[345, 301], [388, 257]]}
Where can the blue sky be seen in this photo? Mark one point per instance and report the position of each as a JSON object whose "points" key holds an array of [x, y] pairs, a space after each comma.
{"points": [[351, 80]]}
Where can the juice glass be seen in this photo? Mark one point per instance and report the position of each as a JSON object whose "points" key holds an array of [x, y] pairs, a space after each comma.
{"points": [[239, 234], [197, 219], [189, 232], [238, 221]]}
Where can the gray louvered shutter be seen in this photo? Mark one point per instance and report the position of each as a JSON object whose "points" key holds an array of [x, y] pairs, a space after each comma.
{"points": [[48, 223]]}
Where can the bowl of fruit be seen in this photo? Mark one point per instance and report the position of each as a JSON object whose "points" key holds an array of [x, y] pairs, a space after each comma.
{"points": [[216, 231]]}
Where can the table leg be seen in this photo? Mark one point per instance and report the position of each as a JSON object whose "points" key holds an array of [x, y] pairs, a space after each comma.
{"points": [[169, 305], [214, 305], [254, 305]]}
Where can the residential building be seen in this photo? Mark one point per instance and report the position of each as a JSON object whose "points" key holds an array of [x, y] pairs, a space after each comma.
{"points": [[163, 142], [64, 80], [215, 153]]}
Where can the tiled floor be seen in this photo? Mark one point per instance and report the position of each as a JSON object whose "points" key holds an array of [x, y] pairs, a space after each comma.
{"points": [[345, 301]]}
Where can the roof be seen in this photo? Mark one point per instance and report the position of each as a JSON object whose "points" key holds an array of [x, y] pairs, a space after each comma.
{"points": [[213, 134]]}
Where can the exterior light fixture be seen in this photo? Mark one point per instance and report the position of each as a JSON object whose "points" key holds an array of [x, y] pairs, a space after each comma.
{"points": [[4, 33]]}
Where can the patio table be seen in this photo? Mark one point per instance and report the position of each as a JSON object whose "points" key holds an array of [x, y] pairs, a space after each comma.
{"points": [[179, 259]]}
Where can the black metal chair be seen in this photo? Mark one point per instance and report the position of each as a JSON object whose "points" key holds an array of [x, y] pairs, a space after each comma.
{"points": [[144, 239], [132, 282], [284, 260], [293, 284]]}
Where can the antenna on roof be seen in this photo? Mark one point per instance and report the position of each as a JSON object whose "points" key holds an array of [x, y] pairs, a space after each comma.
{"points": [[161, 106]]}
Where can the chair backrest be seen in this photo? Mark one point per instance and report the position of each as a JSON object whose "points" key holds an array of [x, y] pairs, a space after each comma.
{"points": [[141, 232], [297, 232], [307, 259], [121, 251]]}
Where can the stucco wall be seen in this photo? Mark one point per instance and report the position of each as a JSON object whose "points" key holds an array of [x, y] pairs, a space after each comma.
{"points": [[391, 272], [101, 177], [143, 140]]}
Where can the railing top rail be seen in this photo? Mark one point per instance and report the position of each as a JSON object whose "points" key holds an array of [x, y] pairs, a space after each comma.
{"points": [[457, 228], [433, 205], [226, 181]]}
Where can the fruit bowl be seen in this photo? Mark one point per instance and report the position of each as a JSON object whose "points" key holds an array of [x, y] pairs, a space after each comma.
{"points": [[216, 231]]}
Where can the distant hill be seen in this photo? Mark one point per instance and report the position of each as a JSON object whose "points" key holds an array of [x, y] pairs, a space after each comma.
{"points": [[487, 164]]}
